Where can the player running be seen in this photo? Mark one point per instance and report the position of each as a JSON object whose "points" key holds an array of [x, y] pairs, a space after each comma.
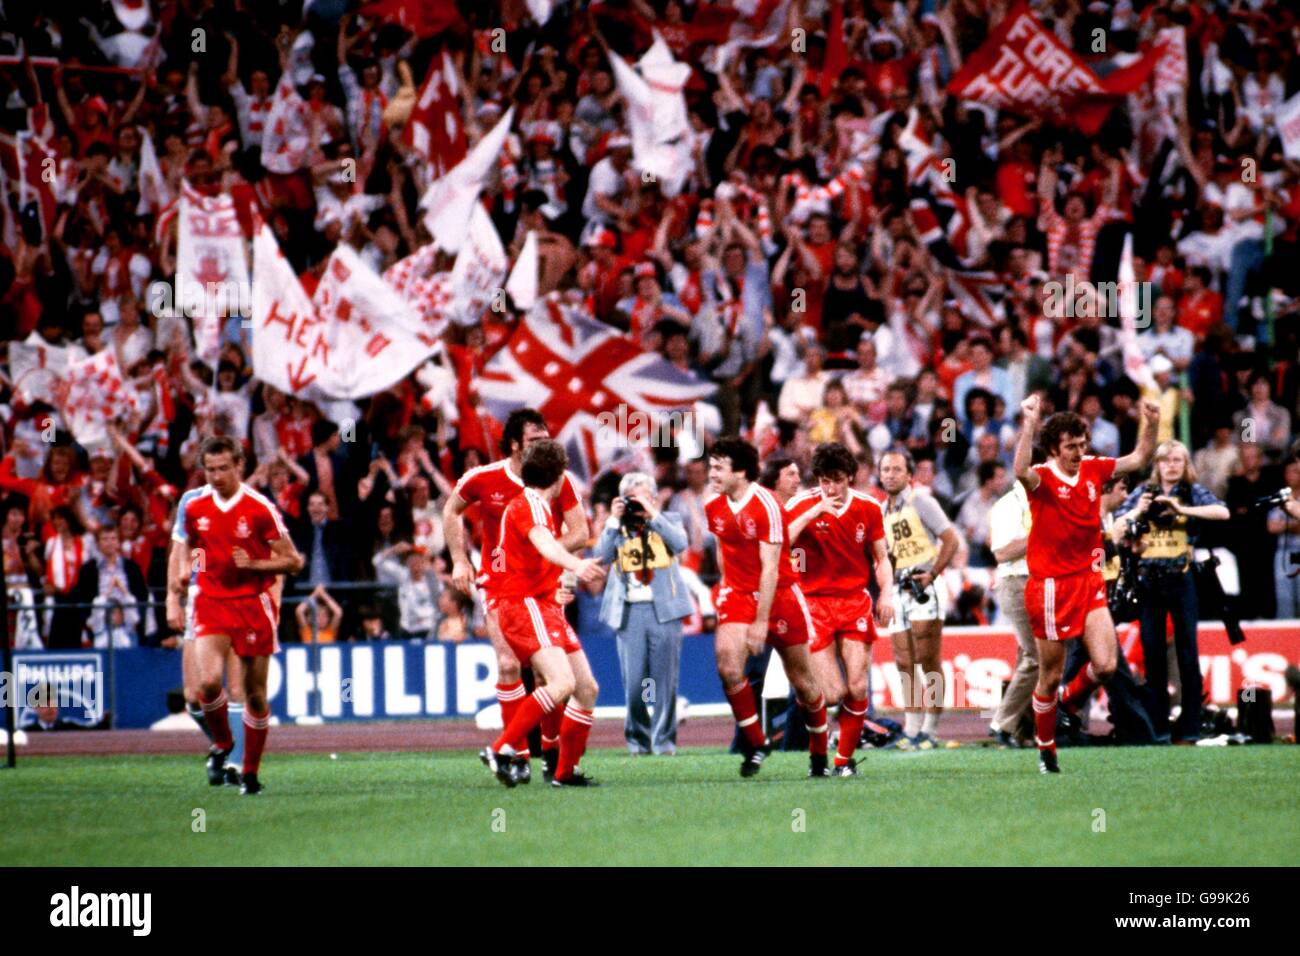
{"points": [[759, 600], [526, 581], [238, 545], [832, 528], [181, 570], [1065, 595], [493, 487]]}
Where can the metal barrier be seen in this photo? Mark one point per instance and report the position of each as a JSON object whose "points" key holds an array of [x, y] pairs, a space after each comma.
{"points": [[293, 596]]}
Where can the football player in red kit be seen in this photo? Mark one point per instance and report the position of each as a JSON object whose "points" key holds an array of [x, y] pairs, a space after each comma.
{"points": [[759, 601], [239, 546], [1065, 595], [493, 487], [525, 588], [833, 528]]}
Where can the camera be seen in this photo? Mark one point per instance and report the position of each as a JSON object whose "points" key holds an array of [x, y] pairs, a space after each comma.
{"points": [[1276, 500], [907, 582], [634, 516]]}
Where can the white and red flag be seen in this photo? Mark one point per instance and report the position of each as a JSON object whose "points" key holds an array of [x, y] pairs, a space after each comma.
{"points": [[96, 395], [434, 128], [430, 292], [480, 269], [211, 269], [449, 200], [759, 23], [574, 370], [1025, 68], [656, 114], [36, 368], [356, 336]]}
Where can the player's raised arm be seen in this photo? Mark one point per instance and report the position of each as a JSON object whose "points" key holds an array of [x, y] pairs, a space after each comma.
{"points": [[453, 528], [1030, 414], [1139, 457], [802, 521]]}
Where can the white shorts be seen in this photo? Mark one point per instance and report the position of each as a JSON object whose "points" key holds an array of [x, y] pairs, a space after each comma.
{"points": [[189, 613], [910, 611]]}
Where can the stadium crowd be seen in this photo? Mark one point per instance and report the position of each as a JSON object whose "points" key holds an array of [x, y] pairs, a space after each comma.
{"points": [[788, 269]]}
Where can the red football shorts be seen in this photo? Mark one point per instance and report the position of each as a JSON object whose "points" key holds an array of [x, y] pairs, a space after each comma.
{"points": [[249, 622], [848, 616], [530, 624], [789, 623], [1058, 607]]}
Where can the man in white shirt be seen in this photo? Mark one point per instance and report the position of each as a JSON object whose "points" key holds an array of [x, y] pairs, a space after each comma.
{"points": [[608, 182], [1166, 337], [1009, 539], [802, 394]]}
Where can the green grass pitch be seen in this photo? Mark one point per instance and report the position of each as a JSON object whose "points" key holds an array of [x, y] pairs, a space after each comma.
{"points": [[1222, 806]]}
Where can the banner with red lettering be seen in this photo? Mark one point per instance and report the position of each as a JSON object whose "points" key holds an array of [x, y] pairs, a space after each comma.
{"points": [[289, 346], [1023, 67], [355, 337], [375, 336], [211, 271]]}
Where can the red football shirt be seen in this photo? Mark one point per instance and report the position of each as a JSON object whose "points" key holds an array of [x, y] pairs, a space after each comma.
{"points": [[214, 528], [493, 487], [522, 571], [739, 528], [833, 547], [1065, 537]]}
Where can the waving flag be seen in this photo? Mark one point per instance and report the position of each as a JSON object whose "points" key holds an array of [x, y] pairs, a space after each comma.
{"points": [[416, 281], [574, 370], [211, 271], [96, 395], [449, 200], [657, 114], [1025, 68], [434, 128], [761, 23]]}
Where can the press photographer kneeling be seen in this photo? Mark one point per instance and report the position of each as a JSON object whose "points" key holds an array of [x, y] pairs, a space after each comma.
{"points": [[1162, 518], [645, 601]]}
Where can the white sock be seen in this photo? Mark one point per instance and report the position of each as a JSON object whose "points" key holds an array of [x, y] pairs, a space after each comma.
{"points": [[912, 723], [931, 722]]}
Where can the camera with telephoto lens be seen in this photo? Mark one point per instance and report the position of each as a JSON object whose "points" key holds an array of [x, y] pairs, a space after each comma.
{"points": [[907, 581], [634, 516]]}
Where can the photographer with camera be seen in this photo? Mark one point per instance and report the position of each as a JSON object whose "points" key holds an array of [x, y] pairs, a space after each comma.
{"points": [[1284, 521], [645, 602], [922, 542], [1164, 517]]}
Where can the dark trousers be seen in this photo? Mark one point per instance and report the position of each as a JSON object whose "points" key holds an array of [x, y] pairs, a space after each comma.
{"points": [[1128, 705], [1173, 595]]}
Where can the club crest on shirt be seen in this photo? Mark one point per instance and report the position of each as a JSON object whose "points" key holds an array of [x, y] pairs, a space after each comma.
{"points": [[242, 530], [204, 523], [751, 529], [862, 624], [860, 533], [781, 626], [1092, 491]]}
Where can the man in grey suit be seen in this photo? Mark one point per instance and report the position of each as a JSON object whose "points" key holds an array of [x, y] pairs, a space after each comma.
{"points": [[645, 601]]}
